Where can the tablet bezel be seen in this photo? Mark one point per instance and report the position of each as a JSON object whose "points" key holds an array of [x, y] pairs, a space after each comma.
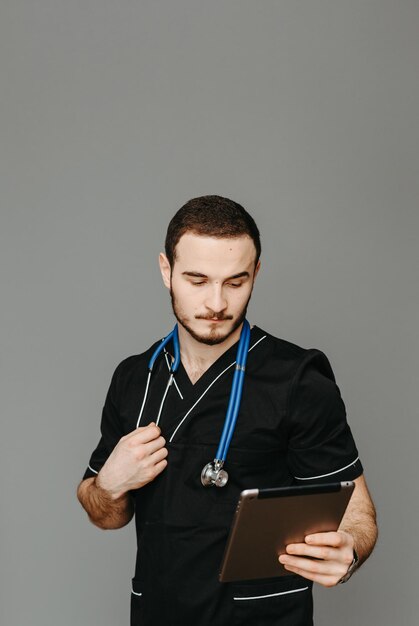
{"points": [[266, 520]]}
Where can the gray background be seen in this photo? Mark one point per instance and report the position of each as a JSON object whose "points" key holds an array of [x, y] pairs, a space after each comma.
{"points": [[113, 114]]}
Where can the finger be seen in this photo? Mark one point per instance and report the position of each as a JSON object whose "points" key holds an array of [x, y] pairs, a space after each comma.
{"points": [[321, 579], [154, 445], [139, 429], [158, 456], [296, 548], [159, 467], [144, 434], [313, 566], [323, 552], [334, 539]]}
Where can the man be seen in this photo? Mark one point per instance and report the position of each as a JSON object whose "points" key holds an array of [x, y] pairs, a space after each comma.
{"points": [[291, 429]]}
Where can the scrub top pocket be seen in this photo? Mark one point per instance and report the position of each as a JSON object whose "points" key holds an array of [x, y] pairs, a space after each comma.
{"points": [[286, 601]]}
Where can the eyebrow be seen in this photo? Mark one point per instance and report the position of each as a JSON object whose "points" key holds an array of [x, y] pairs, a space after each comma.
{"points": [[199, 275]]}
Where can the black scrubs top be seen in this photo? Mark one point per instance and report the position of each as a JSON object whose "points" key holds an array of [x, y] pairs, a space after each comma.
{"points": [[291, 428]]}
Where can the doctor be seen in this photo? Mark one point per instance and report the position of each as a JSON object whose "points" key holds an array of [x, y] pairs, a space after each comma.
{"points": [[291, 428]]}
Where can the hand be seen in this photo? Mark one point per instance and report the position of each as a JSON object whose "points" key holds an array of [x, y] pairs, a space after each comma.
{"points": [[324, 557], [135, 461]]}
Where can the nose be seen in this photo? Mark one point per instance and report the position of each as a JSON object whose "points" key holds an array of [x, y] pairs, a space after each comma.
{"points": [[216, 300]]}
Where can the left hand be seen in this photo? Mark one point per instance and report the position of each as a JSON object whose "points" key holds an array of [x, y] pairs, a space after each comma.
{"points": [[329, 556]]}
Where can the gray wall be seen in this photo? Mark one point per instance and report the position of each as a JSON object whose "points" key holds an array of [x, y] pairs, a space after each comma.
{"points": [[113, 114]]}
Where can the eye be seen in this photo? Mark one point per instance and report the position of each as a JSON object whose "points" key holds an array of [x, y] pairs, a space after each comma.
{"points": [[198, 282], [235, 285]]}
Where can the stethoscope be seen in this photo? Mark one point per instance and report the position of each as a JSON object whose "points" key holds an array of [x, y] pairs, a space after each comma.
{"points": [[213, 472]]}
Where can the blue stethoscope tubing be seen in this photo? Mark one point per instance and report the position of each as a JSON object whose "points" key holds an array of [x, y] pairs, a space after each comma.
{"points": [[174, 366], [235, 394], [212, 474]]}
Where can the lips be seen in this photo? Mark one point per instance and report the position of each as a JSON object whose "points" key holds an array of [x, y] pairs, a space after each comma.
{"points": [[214, 319]]}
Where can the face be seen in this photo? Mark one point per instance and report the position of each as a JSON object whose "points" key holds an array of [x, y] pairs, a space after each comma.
{"points": [[211, 284]]}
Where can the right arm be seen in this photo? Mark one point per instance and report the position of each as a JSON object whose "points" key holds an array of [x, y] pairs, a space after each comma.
{"points": [[135, 461], [104, 511]]}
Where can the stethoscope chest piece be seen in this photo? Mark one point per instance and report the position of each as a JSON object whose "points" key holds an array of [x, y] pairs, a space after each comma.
{"points": [[214, 475]]}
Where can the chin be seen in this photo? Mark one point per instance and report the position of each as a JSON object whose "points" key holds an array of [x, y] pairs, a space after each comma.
{"points": [[214, 336], [212, 339]]}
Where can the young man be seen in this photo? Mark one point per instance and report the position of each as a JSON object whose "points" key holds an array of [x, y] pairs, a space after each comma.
{"points": [[291, 428]]}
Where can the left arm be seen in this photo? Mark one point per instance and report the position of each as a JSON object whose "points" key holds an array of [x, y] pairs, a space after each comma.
{"points": [[331, 554]]}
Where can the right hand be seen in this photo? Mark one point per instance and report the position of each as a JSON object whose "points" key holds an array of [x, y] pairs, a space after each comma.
{"points": [[135, 461]]}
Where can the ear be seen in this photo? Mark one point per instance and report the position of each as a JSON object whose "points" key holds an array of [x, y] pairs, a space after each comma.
{"points": [[257, 268], [165, 269]]}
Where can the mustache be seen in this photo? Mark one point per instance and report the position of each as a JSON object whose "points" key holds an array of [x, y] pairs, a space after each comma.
{"points": [[214, 316]]}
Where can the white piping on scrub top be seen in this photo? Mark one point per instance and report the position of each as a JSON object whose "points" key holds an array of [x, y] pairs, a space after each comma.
{"points": [[208, 388], [330, 473], [92, 470], [272, 595], [144, 399], [166, 354], [169, 383]]}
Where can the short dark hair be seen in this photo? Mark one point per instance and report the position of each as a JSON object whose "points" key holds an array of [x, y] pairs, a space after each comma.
{"points": [[211, 216]]}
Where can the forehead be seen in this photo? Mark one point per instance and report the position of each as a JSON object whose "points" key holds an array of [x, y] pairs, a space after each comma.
{"points": [[202, 253]]}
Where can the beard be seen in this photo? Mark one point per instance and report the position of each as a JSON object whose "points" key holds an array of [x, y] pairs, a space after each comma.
{"points": [[214, 337]]}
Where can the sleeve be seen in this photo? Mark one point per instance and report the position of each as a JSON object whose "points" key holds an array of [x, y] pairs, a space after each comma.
{"points": [[320, 443], [110, 428]]}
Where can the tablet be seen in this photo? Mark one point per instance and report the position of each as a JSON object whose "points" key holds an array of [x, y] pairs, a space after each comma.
{"points": [[267, 520]]}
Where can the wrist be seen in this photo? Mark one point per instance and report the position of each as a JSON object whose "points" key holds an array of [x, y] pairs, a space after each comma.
{"points": [[105, 487]]}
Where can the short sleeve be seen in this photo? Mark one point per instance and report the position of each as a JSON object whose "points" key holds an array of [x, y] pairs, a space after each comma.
{"points": [[111, 431], [320, 443]]}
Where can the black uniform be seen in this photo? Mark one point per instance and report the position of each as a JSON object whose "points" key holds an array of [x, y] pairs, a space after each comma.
{"points": [[291, 427]]}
